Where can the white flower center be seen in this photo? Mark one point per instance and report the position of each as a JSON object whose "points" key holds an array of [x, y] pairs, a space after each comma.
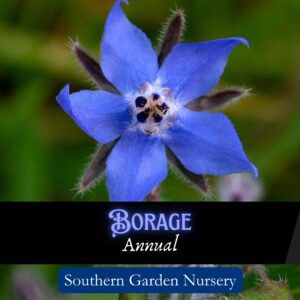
{"points": [[154, 109]]}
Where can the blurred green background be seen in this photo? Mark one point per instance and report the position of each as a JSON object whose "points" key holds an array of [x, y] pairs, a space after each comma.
{"points": [[42, 152]]}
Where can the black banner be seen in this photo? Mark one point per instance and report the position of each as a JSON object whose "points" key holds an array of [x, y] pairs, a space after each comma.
{"points": [[80, 233]]}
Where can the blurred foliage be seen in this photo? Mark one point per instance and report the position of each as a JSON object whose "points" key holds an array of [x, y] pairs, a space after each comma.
{"points": [[42, 151], [45, 276]]}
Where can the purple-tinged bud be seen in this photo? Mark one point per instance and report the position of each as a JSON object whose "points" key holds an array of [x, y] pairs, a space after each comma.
{"points": [[25, 287], [239, 188]]}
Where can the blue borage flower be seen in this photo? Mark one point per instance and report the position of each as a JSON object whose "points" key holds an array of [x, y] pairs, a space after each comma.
{"points": [[149, 114]]}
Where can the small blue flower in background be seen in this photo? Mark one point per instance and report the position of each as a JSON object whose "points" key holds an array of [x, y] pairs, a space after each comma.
{"points": [[150, 114]]}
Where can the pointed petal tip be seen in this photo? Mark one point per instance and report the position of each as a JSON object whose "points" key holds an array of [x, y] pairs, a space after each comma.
{"points": [[122, 1], [64, 90], [206, 61], [243, 41], [95, 112], [254, 171], [63, 95], [238, 39], [116, 60], [117, 6]]}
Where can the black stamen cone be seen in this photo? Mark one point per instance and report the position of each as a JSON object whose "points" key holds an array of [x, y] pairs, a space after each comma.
{"points": [[157, 118], [155, 96], [163, 108], [140, 101], [143, 116]]}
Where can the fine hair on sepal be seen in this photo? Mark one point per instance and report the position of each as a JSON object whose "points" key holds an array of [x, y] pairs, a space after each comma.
{"points": [[219, 99], [91, 67], [94, 170], [197, 181], [259, 269], [171, 34]]}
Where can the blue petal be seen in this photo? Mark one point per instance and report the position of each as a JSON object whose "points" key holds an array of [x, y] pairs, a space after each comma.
{"points": [[206, 143], [127, 57], [102, 115], [192, 70], [136, 165]]}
